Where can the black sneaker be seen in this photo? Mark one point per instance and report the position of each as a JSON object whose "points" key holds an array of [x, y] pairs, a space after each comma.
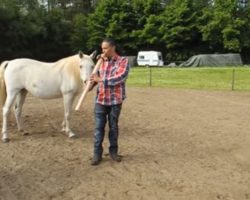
{"points": [[115, 157], [96, 160]]}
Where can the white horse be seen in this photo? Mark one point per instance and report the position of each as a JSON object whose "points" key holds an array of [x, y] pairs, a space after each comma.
{"points": [[42, 80]]}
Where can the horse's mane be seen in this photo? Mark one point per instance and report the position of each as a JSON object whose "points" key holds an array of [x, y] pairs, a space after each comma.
{"points": [[71, 66]]}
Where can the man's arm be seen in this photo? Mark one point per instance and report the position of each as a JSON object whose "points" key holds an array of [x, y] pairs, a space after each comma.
{"points": [[120, 76]]}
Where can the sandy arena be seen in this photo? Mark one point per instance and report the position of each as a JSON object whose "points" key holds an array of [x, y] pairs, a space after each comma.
{"points": [[176, 145]]}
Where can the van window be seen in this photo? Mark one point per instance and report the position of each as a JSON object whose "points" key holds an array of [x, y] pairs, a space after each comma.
{"points": [[141, 57], [160, 58]]}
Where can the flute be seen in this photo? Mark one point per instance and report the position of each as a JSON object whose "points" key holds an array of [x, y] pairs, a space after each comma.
{"points": [[86, 89]]}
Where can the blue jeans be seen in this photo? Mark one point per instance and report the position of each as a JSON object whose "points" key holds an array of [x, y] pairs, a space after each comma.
{"points": [[102, 113]]}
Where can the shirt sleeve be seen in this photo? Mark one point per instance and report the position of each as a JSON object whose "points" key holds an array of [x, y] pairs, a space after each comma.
{"points": [[121, 74]]}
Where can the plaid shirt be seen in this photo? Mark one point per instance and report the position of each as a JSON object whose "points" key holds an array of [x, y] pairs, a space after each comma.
{"points": [[114, 72]]}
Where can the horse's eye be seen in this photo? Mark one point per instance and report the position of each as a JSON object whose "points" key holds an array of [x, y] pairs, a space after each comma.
{"points": [[80, 66]]}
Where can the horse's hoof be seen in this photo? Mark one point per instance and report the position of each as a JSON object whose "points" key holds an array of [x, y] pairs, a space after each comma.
{"points": [[5, 140], [72, 135], [25, 133]]}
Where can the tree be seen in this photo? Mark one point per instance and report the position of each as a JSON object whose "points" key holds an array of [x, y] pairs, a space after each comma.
{"points": [[19, 27], [99, 21], [79, 36], [8, 17], [57, 38], [122, 23], [145, 33], [224, 26], [123, 20], [179, 29]]}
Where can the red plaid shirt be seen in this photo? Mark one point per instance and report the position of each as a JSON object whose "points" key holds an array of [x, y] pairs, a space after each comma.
{"points": [[114, 72]]}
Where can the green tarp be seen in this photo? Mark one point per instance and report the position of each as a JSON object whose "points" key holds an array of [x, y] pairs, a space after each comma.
{"points": [[213, 60]]}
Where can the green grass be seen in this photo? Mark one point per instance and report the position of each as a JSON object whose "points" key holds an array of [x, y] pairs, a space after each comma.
{"points": [[210, 78]]}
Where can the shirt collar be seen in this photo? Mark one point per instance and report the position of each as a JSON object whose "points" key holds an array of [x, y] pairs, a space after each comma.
{"points": [[114, 58]]}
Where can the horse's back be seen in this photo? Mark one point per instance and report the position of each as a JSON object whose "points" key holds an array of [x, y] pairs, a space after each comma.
{"points": [[24, 68], [26, 62], [40, 79]]}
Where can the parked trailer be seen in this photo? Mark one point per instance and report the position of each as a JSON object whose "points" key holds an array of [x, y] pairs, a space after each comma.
{"points": [[152, 58]]}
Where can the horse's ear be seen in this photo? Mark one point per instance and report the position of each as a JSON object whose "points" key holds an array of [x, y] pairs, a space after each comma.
{"points": [[93, 55], [80, 54]]}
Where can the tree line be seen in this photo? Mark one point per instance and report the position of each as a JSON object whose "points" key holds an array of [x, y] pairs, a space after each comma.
{"points": [[51, 29]]}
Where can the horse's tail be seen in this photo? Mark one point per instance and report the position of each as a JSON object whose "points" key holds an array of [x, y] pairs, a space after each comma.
{"points": [[2, 83]]}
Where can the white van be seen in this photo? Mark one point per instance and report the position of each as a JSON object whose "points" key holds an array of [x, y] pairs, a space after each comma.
{"points": [[151, 58]]}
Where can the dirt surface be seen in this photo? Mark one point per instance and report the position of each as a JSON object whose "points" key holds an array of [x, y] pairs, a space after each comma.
{"points": [[176, 145]]}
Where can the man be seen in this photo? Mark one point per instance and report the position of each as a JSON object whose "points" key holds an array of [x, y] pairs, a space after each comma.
{"points": [[111, 80]]}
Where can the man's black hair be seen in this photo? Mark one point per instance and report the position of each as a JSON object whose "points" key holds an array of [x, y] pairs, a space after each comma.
{"points": [[111, 41]]}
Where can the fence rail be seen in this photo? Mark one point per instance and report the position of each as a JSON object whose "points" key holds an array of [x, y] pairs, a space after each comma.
{"points": [[214, 78]]}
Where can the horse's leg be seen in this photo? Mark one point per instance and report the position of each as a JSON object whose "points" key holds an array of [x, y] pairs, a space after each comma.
{"points": [[6, 109], [18, 108], [68, 100], [63, 126]]}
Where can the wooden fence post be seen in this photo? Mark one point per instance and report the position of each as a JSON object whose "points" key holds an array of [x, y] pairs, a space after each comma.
{"points": [[233, 79], [150, 75]]}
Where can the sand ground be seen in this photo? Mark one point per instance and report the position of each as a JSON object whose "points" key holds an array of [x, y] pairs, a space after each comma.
{"points": [[176, 145]]}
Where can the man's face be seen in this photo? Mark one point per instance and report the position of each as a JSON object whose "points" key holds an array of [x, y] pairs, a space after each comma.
{"points": [[107, 49]]}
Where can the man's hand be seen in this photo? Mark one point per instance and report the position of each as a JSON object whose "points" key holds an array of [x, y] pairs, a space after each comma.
{"points": [[102, 56], [92, 85], [95, 78]]}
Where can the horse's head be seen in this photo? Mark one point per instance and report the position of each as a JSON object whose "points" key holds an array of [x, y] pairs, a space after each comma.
{"points": [[86, 65]]}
